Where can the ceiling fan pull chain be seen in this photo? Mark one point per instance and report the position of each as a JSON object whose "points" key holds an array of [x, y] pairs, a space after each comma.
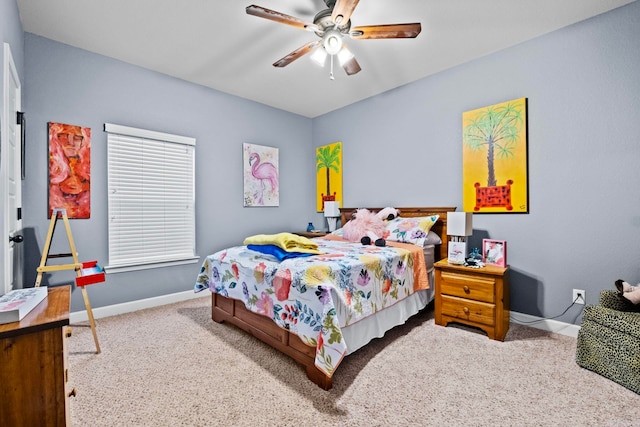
{"points": [[331, 73]]}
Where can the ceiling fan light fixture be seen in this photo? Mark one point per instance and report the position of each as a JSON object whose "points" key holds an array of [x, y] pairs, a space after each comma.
{"points": [[319, 56], [332, 42]]}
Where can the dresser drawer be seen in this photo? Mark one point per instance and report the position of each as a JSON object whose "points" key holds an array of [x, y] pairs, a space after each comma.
{"points": [[473, 311], [477, 288]]}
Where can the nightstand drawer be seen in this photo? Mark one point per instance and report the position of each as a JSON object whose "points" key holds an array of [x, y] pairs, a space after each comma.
{"points": [[471, 287], [472, 311]]}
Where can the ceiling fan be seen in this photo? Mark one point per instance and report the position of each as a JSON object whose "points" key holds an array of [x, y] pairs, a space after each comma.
{"points": [[332, 25]]}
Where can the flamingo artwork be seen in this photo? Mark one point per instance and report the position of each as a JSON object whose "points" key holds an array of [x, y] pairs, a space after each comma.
{"points": [[261, 179]]}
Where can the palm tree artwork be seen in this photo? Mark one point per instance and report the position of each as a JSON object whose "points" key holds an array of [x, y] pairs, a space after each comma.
{"points": [[494, 154], [328, 160]]}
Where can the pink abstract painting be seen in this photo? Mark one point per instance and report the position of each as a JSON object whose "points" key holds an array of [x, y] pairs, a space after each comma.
{"points": [[70, 169]]}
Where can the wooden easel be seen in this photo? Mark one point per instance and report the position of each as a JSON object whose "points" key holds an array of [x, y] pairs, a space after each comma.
{"points": [[87, 273]]}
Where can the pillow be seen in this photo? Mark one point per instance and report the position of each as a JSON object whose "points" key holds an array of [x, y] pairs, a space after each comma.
{"points": [[411, 230], [432, 239], [337, 232]]}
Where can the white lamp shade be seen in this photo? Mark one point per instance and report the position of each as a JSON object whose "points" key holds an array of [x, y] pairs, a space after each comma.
{"points": [[459, 223], [331, 209], [344, 55], [319, 56]]}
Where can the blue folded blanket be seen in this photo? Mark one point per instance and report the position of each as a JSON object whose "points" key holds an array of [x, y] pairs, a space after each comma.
{"points": [[277, 251]]}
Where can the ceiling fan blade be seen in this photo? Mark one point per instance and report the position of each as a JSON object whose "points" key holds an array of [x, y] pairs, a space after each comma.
{"points": [[342, 10], [288, 59], [390, 31], [351, 67], [282, 18]]}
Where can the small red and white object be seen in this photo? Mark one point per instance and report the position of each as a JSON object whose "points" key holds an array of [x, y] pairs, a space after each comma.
{"points": [[91, 273]]}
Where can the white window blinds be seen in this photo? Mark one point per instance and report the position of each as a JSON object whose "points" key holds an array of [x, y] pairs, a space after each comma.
{"points": [[151, 196]]}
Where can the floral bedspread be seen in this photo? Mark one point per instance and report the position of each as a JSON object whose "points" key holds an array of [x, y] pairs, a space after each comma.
{"points": [[301, 294]]}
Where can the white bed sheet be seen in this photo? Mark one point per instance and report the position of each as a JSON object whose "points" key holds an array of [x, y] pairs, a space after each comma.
{"points": [[359, 334]]}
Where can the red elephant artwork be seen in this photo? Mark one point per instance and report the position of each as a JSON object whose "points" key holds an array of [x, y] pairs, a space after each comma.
{"points": [[70, 169], [261, 186]]}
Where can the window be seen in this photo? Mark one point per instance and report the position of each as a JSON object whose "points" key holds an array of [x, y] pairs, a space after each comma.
{"points": [[151, 196]]}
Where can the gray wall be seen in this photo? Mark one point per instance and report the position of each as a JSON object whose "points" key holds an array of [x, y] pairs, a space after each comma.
{"points": [[11, 32], [584, 96], [69, 85], [583, 90]]}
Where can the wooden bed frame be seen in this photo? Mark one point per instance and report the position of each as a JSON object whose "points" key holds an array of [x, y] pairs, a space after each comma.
{"points": [[234, 311]]}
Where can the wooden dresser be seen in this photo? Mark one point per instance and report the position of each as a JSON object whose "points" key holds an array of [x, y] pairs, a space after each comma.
{"points": [[34, 365], [476, 297]]}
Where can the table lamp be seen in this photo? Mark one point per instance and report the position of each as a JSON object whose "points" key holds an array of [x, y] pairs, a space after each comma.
{"points": [[332, 213], [459, 226]]}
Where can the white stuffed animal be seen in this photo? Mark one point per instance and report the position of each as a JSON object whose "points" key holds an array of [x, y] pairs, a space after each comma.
{"points": [[388, 213], [630, 292]]}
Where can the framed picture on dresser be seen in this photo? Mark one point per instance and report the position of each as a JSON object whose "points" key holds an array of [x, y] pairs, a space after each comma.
{"points": [[494, 252]]}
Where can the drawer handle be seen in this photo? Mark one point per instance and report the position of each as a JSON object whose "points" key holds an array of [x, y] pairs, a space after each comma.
{"points": [[73, 392], [466, 310], [466, 289], [67, 332]]}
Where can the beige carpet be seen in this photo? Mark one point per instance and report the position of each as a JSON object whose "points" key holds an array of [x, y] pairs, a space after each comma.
{"points": [[173, 366]]}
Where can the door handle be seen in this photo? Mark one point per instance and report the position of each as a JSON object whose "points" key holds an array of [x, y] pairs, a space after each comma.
{"points": [[16, 239]]}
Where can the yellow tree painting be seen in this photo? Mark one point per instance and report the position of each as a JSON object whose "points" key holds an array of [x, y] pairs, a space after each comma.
{"points": [[494, 158], [328, 174]]}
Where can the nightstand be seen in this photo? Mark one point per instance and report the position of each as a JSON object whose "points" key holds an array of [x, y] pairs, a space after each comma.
{"points": [[473, 296], [311, 234], [34, 366]]}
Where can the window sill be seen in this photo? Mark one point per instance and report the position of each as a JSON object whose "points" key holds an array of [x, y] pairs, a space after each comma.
{"points": [[134, 267]]}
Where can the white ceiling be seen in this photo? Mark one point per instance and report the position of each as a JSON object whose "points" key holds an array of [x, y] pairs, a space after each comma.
{"points": [[215, 43]]}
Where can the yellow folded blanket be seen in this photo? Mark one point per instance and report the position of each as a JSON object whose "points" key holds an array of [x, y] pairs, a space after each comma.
{"points": [[286, 241]]}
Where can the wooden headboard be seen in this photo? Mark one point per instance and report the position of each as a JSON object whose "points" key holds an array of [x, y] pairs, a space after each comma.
{"points": [[440, 227]]}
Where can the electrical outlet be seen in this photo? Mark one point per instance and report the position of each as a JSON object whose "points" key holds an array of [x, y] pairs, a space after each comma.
{"points": [[579, 297]]}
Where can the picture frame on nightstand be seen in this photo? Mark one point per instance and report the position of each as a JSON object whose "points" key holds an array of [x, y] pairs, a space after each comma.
{"points": [[494, 252], [457, 252]]}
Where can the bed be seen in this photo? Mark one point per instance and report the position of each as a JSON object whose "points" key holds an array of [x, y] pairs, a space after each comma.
{"points": [[318, 309]]}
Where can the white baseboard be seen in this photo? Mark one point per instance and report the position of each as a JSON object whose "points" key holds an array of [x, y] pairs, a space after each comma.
{"points": [[128, 307], [562, 328]]}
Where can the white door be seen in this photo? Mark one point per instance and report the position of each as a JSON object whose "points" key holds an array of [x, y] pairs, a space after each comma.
{"points": [[10, 174]]}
